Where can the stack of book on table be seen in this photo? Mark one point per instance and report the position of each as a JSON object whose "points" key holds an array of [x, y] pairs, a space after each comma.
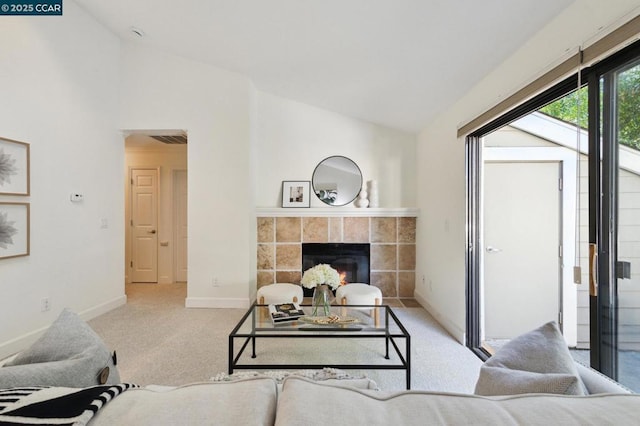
{"points": [[283, 312]]}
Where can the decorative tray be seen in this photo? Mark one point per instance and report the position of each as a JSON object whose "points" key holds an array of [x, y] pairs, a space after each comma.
{"points": [[329, 320]]}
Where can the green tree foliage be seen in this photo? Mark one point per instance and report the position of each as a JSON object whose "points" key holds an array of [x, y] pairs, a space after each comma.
{"points": [[629, 107], [572, 108]]}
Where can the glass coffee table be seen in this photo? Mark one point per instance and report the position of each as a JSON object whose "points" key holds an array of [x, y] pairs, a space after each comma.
{"points": [[368, 322]]}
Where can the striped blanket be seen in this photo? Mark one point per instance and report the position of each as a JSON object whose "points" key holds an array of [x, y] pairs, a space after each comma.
{"points": [[55, 405]]}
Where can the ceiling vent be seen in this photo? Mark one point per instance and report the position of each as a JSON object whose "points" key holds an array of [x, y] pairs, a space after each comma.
{"points": [[171, 140]]}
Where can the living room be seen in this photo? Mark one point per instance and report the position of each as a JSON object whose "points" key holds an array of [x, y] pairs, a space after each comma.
{"points": [[76, 87]]}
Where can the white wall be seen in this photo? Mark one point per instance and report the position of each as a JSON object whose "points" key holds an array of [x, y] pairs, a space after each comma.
{"points": [[292, 138], [162, 91], [59, 94], [441, 156]]}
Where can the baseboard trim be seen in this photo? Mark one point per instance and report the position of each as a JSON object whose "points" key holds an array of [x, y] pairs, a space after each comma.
{"points": [[455, 331], [20, 343], [103, 308], [216, 302]]}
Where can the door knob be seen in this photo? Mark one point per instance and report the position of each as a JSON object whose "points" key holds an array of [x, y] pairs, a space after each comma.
{"points": [[493, 249], [153, 231]]}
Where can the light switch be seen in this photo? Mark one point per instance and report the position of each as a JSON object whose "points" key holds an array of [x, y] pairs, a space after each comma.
{"points": [[76, 197]]}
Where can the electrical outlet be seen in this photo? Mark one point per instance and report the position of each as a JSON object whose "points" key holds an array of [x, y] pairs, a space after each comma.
{"points": [[45, 304], [214, 282]]}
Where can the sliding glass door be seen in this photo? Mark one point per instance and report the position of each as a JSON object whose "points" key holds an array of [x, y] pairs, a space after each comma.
{"points": [[627, 99], [615, 236], [601, 284]]}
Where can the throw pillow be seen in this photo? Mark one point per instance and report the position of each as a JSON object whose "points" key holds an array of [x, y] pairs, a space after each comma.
{"points": [[69, 354], [535, 362], [501, 381]]}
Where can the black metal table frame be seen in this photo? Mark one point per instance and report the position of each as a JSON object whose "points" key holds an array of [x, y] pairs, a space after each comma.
{"points": [[325, 333]]}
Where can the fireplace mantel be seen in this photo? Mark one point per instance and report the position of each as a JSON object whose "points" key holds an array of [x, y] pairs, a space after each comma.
{"points": [[337, 212]]}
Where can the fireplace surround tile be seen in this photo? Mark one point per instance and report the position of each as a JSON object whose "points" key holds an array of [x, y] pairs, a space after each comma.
{"points": [[406, 257], [264, 278], [265, 230], [265, 256], [384, 257], [356, 230], [406, 283], [288, 257], [407, 230], [315, 229], [392, 239], [293, 277], [383, 229], [288, 229], [386, 282], [335, 230]]}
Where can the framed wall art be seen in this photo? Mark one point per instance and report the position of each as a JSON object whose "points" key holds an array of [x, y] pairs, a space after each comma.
{"points": [[14, 230], [14, 167], [296, 193]]}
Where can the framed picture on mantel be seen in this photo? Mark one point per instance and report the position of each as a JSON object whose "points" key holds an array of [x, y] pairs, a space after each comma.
{"points": [[296, 193]]}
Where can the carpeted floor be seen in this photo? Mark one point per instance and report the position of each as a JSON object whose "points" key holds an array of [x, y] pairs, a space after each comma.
{"points": [[159, 341]]}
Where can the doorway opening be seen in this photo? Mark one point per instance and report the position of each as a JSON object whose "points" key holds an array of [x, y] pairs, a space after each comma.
{"points": [[156, 188]]}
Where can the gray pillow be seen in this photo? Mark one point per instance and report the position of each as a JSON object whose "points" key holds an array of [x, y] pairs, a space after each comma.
{"points": [[502, 381], [535, 362], [69, 354]]}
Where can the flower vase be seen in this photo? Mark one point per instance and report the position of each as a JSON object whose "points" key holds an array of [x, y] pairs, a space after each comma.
{"points": [[321, 303]]}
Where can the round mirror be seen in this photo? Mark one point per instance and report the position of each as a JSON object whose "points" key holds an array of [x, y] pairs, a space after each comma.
{"points": [[337, 180]]}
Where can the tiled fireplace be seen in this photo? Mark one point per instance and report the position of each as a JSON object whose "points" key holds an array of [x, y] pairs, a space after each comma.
{"points": [[392, 247]]}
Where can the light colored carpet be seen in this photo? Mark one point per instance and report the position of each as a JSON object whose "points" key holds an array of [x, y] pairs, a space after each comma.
{"points": [[159, 341]]}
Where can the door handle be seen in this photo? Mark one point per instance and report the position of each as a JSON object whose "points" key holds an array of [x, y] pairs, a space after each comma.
{"points": [[593, 271], [493, 249], [153, 231]]}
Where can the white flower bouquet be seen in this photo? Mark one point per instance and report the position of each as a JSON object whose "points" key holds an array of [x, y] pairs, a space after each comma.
{"points": [[321, 274]]}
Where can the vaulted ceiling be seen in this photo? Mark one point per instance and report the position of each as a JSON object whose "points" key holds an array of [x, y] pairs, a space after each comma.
{"points": [[391, 62]]}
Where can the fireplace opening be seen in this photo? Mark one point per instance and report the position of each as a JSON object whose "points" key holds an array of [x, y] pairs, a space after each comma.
{"points": [[349, 259]]}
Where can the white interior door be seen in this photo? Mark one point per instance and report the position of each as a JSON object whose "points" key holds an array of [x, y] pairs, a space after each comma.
{"points": [[144, 225], [522, 275], [180, 202]]}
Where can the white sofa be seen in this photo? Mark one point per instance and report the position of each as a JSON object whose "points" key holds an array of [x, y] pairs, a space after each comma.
{"points": [[301, 401]]}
